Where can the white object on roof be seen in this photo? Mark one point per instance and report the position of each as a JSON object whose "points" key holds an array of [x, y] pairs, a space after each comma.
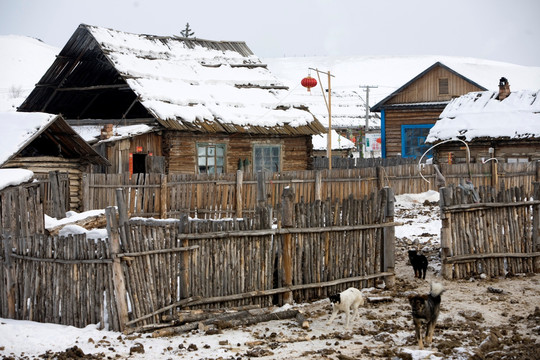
{"points": [[481, 115]]}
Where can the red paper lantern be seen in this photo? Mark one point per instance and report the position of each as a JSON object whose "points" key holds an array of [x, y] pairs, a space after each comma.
{"points": [[308, 82]]}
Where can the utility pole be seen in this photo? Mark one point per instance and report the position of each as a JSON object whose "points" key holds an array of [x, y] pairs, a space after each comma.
{"points": [[366, 124], [329, 108]]}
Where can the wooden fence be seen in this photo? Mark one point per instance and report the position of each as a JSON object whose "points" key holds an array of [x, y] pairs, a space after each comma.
{"points": [[489, 232], [238, 194], [154, 267]]}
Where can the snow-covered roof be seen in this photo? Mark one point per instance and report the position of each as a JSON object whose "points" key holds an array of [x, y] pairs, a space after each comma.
{"points": [[19, 130], [482, 115], [320, 142], [184, 83]]}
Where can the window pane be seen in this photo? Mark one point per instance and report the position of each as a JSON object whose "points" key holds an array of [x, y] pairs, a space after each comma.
{"points": [[220, 150], [201, 151], [414, 141], [266, 158], [211, 151]]}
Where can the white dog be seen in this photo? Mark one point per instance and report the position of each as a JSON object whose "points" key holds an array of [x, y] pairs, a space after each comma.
{"points": [[345, 301]]}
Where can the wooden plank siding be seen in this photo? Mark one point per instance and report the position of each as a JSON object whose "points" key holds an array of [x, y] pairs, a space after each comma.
{"points": [[426, 88], [395, 118]]}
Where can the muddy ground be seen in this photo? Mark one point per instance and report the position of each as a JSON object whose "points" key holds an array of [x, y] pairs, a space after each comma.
{"points": [[480, 318]]}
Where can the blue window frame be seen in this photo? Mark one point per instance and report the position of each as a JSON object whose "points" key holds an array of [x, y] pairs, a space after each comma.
{"points": [[413, 140]]}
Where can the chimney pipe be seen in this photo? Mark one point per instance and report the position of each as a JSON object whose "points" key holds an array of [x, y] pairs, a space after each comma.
{"points": [[106, 132], [504, 89]]}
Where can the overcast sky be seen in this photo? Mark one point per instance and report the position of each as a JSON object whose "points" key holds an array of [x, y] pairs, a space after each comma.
{"points": [[499, 30]]}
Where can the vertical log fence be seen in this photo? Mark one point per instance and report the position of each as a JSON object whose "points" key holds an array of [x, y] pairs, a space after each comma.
{"points": [[496, 235]]}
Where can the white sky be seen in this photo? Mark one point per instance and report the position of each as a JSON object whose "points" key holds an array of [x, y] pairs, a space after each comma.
{"points": [[489, 29]]}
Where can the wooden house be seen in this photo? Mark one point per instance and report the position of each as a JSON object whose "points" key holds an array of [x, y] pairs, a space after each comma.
{"points": [[499, 125], [172, 104], [408, 113], [42, 143]]}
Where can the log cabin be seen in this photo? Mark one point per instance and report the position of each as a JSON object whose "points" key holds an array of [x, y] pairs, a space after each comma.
{"points": [[171, 104], [43, 143], [408, 113], [502, 126]]}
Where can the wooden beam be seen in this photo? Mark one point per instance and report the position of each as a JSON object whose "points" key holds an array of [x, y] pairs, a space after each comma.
{"points": [[89, 88]]}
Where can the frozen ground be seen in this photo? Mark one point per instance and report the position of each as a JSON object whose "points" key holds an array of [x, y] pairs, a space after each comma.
{"points": [[475, 323]]}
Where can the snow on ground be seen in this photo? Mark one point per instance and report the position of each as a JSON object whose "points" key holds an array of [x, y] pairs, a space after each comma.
{"points": [[474, 322]]}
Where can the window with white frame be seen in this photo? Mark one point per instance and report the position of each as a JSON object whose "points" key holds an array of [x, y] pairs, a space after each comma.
{"points": [[267, 157], [211, 158]]}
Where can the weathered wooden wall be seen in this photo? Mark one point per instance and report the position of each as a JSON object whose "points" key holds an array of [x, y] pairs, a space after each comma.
{"points": [[180, 150], [496, 234], [117, 152]]}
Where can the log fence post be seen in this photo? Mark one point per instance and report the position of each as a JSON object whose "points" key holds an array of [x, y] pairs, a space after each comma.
{"points": [[536, 228], [380, 177], [287, 199], [446, 233], [318, 185], [183, 227], [389, 239], [239, 193], [119, 296], [9, 274], [58, 201], [494, 174], [163, 203], [85, 206]]}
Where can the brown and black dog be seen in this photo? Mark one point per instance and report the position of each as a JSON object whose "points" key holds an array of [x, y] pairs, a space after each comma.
{"points": [[425, 309]]}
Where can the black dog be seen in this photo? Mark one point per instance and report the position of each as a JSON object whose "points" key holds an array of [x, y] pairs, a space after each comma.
{"points": [[419, 263], [425, 309]]}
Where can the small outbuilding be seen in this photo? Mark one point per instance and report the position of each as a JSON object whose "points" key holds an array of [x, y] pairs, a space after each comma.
{"points": [[503, 126], [43, 143]]}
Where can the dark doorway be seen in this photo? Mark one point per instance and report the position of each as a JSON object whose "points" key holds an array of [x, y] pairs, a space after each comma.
{"points": [[139, 163]]}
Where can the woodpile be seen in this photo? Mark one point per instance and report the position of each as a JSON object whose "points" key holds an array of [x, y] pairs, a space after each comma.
{"points": [[211, 320]]}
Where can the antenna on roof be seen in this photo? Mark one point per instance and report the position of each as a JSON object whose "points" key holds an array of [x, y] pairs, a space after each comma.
{"points": [[187, 32]]}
